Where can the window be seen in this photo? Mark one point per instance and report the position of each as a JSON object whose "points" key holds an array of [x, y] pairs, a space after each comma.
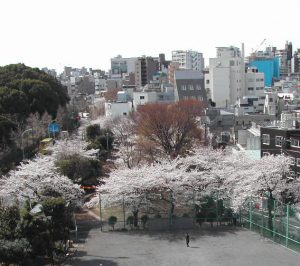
{"points": [[266, 139], [124, 113], [250, 88], [183, 87], [298, 162], [292, 160], [266, 153], [295, 143], [278, 141], [207, 81], [198, 87], [231, 63], [271, 100], [191, 87], [142, 97], [200, 98]]}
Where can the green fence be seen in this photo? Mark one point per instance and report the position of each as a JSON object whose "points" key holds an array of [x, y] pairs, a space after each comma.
{"points": [[198, 211], [274, 220]]}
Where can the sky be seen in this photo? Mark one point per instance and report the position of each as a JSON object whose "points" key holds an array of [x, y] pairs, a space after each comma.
{"points": [[58, 33]]}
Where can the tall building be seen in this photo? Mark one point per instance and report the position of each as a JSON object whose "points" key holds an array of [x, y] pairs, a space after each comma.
{"points": [[225, 81], [188, 59], [295, 62], [145, 68], [267, 64], [120, 66]]}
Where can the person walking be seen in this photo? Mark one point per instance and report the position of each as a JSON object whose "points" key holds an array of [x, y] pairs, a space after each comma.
{"points": [[187, 239]]}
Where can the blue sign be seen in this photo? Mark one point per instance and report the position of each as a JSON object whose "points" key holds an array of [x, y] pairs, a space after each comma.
{"points": [[54, 128]]}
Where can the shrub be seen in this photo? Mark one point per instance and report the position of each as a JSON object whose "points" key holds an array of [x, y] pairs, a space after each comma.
{"points": [[130, 221], [112, 220], [144, 220], [92, 132]]}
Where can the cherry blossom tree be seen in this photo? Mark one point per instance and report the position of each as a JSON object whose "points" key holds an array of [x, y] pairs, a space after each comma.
{"points": [[166, 183], [32, 178]]}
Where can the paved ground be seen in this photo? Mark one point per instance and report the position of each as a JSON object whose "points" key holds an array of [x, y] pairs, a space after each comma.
{"points": [[207, 248]]}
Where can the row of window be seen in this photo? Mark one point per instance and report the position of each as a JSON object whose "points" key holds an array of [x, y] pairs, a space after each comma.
{"points": [[252, 80], [257, 88], [279, 140], [200, 98], [190, 87]]}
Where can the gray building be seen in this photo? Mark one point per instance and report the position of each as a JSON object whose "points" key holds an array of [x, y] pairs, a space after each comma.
{"points": [[145, 68], [189, 84]]}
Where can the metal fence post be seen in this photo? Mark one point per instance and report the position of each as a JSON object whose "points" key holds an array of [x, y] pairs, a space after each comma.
{"points": [[124, 212], [262, 221], [100, 214], [194, 208], [287, 225], [274, 219], [251, 204]]}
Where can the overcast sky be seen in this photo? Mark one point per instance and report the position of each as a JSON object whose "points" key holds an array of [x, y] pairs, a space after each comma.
{"points": [[55, 33]]}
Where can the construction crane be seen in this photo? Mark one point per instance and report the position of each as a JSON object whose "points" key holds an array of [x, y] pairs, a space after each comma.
{"points": [[264, 40]]}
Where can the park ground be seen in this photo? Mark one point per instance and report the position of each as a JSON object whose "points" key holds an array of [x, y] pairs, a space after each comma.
{"points": [[208, 247]]}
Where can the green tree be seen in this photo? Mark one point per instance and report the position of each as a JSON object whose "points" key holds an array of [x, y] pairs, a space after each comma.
{"points": [[112, 220], [79, 169], [13, 101], [92, 132]]}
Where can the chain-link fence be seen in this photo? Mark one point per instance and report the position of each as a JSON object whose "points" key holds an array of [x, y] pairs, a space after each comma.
{"points": [[274, 220], [162, 214]]}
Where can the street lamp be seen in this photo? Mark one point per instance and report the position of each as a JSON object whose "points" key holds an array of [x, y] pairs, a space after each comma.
{"points": [[22, 144]]}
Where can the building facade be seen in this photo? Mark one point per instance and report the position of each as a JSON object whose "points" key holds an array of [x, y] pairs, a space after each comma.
{"points": [[188, 59], [145, 68], [224, 81], [189, 84], [275, 140]]}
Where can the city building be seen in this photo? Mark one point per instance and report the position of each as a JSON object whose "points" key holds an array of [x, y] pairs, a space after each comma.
{"points": [[189, 84], [224, 81], [188, 59], [145, 68], [121, 66], [278, 140]]}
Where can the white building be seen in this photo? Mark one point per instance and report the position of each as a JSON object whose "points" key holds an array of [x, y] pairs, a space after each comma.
{"points": [[188, 59], [254, 82], [225, 81], [116, 109], [145, 97], [120, 66]]}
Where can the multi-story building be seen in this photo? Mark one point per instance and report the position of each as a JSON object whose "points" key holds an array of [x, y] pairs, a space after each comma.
{"points": [[295, 62], [189, 84], [277, 140], [267, 64], [171, 71], [224, 81], [254, 82], [188, 59], [145, 68], [121, 66]]}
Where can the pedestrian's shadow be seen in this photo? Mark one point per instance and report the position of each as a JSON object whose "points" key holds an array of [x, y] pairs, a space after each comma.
{"points": [[193, 247]]}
